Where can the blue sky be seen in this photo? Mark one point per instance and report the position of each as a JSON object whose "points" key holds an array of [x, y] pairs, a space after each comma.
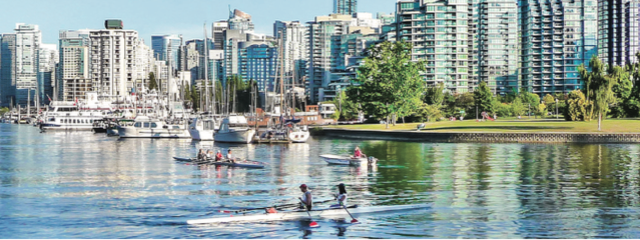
{"points": [[156, 17]]}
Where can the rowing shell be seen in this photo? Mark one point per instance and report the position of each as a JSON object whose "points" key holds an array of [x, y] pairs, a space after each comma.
{"points": [[303, 214], [245, 164]]}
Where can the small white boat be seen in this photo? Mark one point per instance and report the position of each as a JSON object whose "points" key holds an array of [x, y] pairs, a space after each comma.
{"points": [[148, 128], [303, 214], [348, 160], [203, 129], [235, 129]]}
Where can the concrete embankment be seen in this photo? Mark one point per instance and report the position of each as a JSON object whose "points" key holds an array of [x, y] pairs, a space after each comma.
{"points": [[481, 137]]}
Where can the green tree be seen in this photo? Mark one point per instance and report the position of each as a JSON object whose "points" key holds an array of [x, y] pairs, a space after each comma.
{"points": [[529, 100], [348, 110], [541, 110], [4, 110], [622, 107], [465, 102], [435, 94], [187, 96], [577, 107], [152, 81], [483, 98], [429, 112], [389, 81], [550, 102], [517, 108], [195, 98]]}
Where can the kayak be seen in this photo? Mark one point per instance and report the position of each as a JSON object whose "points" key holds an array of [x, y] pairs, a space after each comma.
{"points": [[238, 163], [303, 214], [347, 160]]}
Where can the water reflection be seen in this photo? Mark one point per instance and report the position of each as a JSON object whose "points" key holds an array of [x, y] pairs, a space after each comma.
{"points": [[56, 180]]}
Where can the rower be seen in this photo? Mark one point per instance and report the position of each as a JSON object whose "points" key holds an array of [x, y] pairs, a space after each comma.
{"points": [[218, 156], [307, 200], [209, 154], [341, 197], [229, 157], [201, 155]]}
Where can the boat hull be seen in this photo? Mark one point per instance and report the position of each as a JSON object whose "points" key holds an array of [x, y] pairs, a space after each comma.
{"points": [[299, 136], [342, 160], [229, 164], [201, 135], [303, 214], [235, 136], [132, 132]]}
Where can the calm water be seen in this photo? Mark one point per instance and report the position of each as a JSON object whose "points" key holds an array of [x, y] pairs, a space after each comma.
{"points": [[84, 185]]}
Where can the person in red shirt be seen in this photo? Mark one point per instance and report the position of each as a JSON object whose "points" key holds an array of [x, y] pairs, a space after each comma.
{"points": [[218, 156], [358, 153]]}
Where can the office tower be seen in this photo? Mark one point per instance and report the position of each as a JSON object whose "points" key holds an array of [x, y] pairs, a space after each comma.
{"points": [[556, 37], [20, 65], [295, 49], [7, 80], [346, 7], [439, 34], [47, 72], [258, 62], [232, 47], [618, 31], [195, 57], [74, 80], [239, 20], [113, 60], [218, 34], [164, 44], [496, 42], [143, 64], [320, 55]]}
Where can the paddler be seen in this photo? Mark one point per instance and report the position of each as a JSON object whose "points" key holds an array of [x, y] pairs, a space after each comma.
{"points": [[201, 155], [341, 197], [229, 157], [306, 199], [218, 156]]}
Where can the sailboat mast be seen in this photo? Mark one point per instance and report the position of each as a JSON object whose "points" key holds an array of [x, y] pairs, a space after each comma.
{"points": [[206, 65], [281, 55]]}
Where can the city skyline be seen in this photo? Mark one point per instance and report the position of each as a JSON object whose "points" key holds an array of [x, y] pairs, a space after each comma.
{"points": [[53, 17]]}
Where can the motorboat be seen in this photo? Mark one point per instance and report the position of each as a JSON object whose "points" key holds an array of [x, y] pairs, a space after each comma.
{"points": [[63, 115], [203, 128], [234, 129], [296, 133], [145, 127], [348, 160]]}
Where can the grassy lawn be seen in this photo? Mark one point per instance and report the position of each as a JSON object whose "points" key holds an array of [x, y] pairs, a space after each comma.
{"points": [[512, 125]]}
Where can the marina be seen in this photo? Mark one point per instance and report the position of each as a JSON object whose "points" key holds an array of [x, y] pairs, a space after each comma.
{"points": [[88, 185]]}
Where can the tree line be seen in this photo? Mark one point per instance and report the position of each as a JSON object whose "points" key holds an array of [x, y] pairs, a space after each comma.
{"points": [[389, 87]]}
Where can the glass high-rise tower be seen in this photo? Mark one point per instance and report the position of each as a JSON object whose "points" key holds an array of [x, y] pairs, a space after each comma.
{"points": [[556, 37], [618, 31], [347, 7]]}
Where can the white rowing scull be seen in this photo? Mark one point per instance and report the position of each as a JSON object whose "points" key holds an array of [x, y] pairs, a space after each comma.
{"points": [[303, 214]]}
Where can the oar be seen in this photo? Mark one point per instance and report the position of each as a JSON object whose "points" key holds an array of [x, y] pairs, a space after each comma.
{"points": [[353, 220], [313, 223]]}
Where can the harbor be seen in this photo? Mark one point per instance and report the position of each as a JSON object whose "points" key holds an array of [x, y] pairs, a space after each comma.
{"points": [[89, 185]]}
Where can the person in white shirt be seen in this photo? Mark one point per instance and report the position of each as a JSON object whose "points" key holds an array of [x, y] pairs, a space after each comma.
{"points": [[341, 197], [306, 200]]}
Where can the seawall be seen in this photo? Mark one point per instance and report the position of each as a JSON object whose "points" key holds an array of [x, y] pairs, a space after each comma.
{"points": [[481, 137]]}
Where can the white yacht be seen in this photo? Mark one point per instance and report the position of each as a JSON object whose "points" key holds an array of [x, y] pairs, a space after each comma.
{"points": [[203, 128], [299, 134], [235, 129], [66, 116], [144, 127]]}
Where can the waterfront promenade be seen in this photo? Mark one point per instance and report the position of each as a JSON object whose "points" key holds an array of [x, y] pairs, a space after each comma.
{"points": [[501, 131]]}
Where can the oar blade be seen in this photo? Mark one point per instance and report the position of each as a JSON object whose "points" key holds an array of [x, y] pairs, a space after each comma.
{"points": [[354, 220], [314, 224]]}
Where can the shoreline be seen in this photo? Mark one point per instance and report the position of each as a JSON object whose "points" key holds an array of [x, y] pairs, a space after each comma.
{"points": [[479, 137]]}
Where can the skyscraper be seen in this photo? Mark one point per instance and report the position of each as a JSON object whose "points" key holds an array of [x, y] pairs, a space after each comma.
{"points": [[218, 34], [239, 20], [496, 42], [73, 79], [20, 65], [439, 34], [161, 45], [618, 36], [556, 37], [47, 72], [113, 54], [295, 48], [347, 7]]}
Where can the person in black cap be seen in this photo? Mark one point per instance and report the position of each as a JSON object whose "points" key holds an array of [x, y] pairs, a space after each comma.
{"points": [[306, 200], [341, 197]]}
